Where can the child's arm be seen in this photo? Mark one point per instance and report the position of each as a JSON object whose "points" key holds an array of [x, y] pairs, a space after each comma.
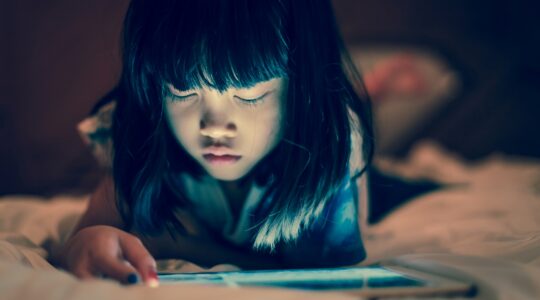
{"points": [[98, 247], [98, 242]]}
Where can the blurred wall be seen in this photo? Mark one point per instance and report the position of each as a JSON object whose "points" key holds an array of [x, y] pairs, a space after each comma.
{"points": [[59, 57], [494, 44]]}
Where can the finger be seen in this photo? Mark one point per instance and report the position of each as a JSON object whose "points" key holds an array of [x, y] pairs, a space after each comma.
{"points": [[110, 265], [135, 253], [83, 273]]}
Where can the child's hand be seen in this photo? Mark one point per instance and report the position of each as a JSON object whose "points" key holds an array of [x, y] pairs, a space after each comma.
{"points": [[108, 251]]}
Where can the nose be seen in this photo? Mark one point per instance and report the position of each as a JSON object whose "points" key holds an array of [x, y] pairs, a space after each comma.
{"points": [[216, 121], [217, 130]]}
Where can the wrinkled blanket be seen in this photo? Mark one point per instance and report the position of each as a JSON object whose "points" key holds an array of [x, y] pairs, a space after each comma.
{"points": [[484, 225]]}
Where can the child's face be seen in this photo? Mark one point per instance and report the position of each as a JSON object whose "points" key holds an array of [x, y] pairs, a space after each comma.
{"points": [[228, 133]]}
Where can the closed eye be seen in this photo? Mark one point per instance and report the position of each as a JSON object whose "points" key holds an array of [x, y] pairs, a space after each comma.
{"points": [[178, 95], [253, 101], [187, 97]]}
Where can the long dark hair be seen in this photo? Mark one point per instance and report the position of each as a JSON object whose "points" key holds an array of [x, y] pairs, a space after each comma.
{"points": [[222, 44]]}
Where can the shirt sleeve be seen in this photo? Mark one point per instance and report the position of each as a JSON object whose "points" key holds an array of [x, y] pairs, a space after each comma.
{"points": [[334, 239]]}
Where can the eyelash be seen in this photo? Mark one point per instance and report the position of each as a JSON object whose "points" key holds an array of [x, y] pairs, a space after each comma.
{"points": [[251, 102], [181, 98]]}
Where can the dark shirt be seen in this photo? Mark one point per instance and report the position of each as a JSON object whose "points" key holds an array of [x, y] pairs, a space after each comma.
{"points": [[333, 239]]}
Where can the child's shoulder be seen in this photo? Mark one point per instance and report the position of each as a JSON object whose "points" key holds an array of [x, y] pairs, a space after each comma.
{"points": [[95, 131]]}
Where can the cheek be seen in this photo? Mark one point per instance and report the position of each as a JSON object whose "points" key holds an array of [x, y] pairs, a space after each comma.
{"points": [[274, 128], [267, 129], [186, 131], [183, 125]]}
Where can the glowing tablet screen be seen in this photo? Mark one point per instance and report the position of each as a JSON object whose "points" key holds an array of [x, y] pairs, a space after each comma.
{"points": [[312, 279]]}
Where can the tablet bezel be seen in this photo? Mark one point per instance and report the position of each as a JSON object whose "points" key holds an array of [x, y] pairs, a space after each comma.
{"points": [[436, 285]]}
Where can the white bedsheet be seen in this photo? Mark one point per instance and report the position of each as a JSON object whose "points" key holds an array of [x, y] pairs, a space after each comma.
{"points": [[489, 208], [485, 226]]}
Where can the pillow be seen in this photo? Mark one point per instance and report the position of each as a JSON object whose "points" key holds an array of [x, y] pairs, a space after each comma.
{"points": [[416, 84]]}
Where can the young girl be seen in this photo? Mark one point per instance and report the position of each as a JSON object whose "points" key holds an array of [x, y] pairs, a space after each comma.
{"points": [[239, 134]]}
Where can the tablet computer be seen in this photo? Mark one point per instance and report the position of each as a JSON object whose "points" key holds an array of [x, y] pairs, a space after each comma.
{"points": [[391, 279]]}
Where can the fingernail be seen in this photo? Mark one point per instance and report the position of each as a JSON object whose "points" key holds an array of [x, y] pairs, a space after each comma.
{"points": [[153, 280], [132, 278], [152, 283]]}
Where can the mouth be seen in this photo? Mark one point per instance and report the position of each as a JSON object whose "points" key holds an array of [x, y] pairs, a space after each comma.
{"points": [[225, 159]]}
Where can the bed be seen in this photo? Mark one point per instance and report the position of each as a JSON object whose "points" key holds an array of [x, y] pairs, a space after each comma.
{"points": [[483, 224]]}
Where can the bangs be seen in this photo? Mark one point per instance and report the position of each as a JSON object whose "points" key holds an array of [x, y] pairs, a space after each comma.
{"points": [[219, 45]]}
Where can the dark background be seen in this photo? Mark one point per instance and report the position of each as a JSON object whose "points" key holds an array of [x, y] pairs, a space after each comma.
{"points": [[496, 47], [59, 57]]}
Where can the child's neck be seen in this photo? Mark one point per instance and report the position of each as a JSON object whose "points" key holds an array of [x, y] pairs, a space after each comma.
{"points": [[236, 193]]}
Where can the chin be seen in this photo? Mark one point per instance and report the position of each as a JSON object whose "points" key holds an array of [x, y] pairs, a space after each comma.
{"points": [[226, 175]]}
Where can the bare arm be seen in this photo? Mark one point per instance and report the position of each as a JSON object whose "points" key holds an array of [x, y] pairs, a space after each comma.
{"points": [[199, 249], [99, 247], [101, 208]]}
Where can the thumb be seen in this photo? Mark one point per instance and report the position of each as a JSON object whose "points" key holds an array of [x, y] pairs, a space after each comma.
{"points": [[138, 256]]}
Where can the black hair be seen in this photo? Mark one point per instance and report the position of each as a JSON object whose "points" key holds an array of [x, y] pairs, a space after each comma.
{"points": [[237, 43]]}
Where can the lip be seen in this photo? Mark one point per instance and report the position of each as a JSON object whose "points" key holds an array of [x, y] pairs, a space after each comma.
{"points": [[225, 159], [219, 151]]}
